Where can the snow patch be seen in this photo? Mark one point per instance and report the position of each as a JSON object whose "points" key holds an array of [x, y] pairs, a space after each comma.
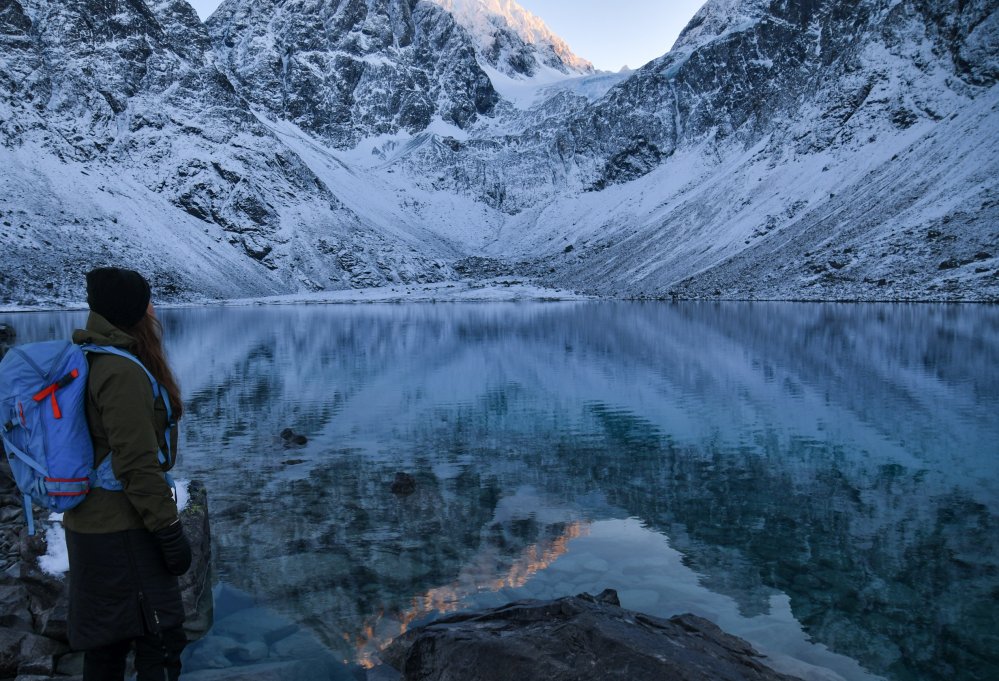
{"points": [[55, 562]]}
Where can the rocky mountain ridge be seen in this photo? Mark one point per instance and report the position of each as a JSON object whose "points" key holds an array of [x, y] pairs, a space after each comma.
{"points": [[786, 149]]}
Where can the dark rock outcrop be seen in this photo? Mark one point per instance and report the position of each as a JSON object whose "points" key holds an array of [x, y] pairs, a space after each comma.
{"points": [[577, 638], [196, 584]]}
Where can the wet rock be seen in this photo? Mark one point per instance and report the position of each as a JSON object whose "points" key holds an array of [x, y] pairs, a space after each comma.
{"points": [[255, 624], [47, 594], [70, 664], [212, 652], [10, 514], [54, 622], [298, 670], [7, 333], [14, 613], [196, 584], [298, 646], [404, 484], [580, 638], [949, 264], [255, 643], [254, 651], [38, 655], [10, 650]]}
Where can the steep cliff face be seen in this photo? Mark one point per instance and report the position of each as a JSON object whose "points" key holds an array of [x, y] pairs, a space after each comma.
{"points": [[349, 70]]}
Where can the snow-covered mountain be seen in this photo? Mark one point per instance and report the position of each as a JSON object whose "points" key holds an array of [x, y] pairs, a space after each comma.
{"points": [[120, 141], [512, 39], [797, 149]]}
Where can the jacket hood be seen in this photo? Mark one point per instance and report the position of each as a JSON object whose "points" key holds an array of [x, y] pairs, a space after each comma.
{"points": [[100, 331]]}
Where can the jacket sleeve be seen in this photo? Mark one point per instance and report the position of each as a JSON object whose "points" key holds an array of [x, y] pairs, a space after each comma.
{"points": [[124, 399]]}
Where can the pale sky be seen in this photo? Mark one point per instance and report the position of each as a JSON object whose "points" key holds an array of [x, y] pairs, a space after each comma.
{"points": [[610, 33]]}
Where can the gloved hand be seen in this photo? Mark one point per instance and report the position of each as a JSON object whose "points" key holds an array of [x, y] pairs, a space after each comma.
{"points": [[174, 547]]}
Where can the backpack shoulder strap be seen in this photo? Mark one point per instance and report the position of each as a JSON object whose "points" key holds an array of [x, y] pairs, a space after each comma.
{"points": [[111, 350]]}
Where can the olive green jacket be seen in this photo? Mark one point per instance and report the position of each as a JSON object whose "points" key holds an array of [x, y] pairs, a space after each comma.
{"points": [[124, 420]]}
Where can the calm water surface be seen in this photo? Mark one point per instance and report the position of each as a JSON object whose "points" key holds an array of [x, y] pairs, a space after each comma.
{"points": [[820, 479]]}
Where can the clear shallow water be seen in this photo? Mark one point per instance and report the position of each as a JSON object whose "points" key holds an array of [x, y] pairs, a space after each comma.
{"points": [[819, 479]]}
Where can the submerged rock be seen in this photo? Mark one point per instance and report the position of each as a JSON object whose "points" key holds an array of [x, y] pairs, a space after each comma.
{"points": [[578, 638], [291, 438], [404, 484], [253, 643]]}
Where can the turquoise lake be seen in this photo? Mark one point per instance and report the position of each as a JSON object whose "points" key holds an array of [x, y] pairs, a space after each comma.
{"points": [[820, 479]]}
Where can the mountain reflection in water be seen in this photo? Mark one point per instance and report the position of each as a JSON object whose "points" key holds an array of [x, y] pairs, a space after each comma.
{"points": [[818, 478]]}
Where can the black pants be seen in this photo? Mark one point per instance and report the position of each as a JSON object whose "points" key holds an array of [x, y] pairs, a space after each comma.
{"points": [[157, 658]]}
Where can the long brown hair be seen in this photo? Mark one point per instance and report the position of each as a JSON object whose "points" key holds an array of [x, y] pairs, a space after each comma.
{"points": [[148, 333]]}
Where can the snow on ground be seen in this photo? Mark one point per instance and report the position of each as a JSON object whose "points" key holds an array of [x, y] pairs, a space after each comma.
{"points": [[495, 290], [468, 291], [56, 560]]}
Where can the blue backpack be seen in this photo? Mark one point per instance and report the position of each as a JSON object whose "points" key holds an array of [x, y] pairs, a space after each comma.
{"points": [[43, 424]]}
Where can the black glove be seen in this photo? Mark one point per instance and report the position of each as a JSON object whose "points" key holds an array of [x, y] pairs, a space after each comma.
{"points": [[174, 547]]}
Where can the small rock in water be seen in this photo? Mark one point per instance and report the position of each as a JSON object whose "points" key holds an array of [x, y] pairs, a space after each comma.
{"points": [[291, 438], [403, 484], [7, 333], [293, 462]]}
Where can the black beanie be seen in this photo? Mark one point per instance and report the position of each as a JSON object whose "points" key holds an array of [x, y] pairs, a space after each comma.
{"points": [[120, 296]]}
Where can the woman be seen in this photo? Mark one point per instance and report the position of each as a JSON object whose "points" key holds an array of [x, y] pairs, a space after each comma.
{"points": [[127, 546]]}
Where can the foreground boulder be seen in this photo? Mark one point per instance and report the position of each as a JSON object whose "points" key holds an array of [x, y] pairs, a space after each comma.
{"points": [[579, 638]]}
